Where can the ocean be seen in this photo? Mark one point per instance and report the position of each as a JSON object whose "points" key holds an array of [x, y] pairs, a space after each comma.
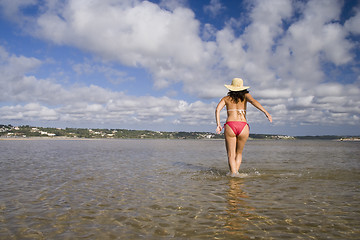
{"points": [[179, 189]]}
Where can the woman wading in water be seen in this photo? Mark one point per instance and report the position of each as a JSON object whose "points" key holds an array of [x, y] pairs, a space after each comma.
{"points": [[236, 129]]}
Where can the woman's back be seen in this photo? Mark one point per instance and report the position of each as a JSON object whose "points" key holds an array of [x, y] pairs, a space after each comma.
{"points": [[235, 111]]}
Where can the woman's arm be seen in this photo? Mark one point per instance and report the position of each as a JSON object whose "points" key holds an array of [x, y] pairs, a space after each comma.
{"points": [[256, 104], [220, 106]]}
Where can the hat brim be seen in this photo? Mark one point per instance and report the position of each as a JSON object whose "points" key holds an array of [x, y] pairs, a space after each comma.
{"points": [[233, 88]]}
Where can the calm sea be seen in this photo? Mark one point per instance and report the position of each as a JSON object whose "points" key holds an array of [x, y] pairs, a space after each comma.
{"points": [[161, 189]]}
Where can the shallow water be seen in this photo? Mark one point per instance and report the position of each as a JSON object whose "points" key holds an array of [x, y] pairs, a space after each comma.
{"points": [[131, 189]]}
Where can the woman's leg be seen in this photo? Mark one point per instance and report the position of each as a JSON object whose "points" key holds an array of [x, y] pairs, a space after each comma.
{"points": [[241, 140], [230, 142]]}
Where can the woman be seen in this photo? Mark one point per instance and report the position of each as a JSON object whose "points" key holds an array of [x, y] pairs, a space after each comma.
{"points": [[236, 128]]}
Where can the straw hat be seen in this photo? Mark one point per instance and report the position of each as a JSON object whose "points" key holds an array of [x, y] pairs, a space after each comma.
{"points": [[236, 85]]}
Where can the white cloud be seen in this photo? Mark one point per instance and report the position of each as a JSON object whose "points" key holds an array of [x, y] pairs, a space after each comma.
{"points": [[139, 34], [172, 4], [280, 53], [112, 75], [312, 40], [352, 24], [214, 8], [45, 100], [273, 93], [29, 112], [12, 9]]}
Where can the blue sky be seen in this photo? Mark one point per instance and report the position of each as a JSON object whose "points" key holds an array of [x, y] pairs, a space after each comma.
{"points": [[162, 64]]}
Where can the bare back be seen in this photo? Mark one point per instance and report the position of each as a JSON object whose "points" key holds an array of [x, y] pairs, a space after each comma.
{"points": [[235, 111]]}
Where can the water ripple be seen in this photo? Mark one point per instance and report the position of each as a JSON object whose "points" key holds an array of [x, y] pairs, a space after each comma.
{"points": [[130, 189]]}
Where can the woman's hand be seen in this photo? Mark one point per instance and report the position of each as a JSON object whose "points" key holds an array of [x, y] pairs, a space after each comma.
{"points": [[269, 117], [218, 129]]}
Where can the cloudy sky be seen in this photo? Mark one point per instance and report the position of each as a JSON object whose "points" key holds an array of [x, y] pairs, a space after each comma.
{"points": [[161, 64]]}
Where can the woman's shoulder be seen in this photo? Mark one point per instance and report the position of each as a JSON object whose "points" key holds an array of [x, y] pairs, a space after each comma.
{"points": [[226, 98], [249, 98]]}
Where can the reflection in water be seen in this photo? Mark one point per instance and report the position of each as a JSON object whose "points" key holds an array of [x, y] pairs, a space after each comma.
{"points": [[238, 209], [243, 220]]}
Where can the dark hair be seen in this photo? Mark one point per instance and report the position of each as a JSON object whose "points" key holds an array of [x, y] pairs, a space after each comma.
{"points": [[238, 95]]}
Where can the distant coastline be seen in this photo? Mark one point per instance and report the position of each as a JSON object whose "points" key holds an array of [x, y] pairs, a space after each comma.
{"points": [[9, 132]]}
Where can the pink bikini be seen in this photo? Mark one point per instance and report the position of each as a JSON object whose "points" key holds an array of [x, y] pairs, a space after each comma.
{"points": [[237, 126]]}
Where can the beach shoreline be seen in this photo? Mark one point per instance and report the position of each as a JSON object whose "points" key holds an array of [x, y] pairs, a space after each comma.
{"points": [[45, 138]]}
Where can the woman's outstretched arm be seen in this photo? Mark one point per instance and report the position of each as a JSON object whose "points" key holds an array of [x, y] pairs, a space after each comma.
{"points": [[220, 106], [256, 104]]}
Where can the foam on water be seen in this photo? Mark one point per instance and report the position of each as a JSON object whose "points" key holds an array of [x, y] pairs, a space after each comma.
{"points": [[237, 175]]}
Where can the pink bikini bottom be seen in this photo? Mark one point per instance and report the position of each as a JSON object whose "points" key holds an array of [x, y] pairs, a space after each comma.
{"points": [[236, 126]]}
